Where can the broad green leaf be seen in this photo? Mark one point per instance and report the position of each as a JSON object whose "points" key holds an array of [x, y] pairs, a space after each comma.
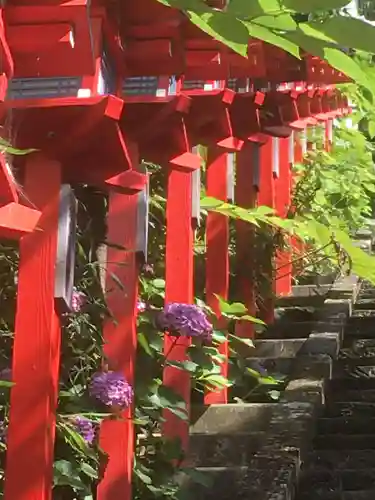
{"points": [[249, 9], [282, 22], [219, 337], [243, 340], [252, 319], [223, 27], [158, 283], [267, 35], [217, 381], [334, 57], [196, 5], [314, 5], [371, 129], [348, 66], [345, 31], [208, 202], [234, 308], [89, 471]]}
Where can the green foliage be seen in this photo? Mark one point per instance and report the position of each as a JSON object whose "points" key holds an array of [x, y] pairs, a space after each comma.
{"points": [[277, 22]]}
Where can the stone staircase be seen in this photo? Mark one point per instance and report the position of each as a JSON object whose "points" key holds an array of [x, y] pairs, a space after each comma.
{"points": [[342, 464], [300, 446]]}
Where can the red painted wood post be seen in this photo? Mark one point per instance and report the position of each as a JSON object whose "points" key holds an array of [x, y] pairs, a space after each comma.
{"points": [[217, 257], [282, 200], [36, 350], [117, 436], [266, 197], [245, 195], [179, 287]]}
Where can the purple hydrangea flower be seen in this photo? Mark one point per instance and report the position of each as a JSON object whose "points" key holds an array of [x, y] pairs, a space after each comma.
{"points": [[78, 300], [141, 306], [6, 374], [86, 428], [112, 389], [187, 320]]}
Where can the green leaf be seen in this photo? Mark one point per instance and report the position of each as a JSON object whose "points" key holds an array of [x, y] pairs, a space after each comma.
{"points": [[371, 129], [6, 383], [142, 340], [346, 31], [267, 35], [334, 57], [305, 6], [208, 202], [254, 8], [282, 22], [219, 337], [252, 319], [89, 471], [158, 283], [243, 340], [233, 309], [223, 27], [217, 381]]}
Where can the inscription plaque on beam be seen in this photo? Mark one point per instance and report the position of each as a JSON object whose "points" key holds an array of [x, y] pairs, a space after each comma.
{"points": [[66, 241]]}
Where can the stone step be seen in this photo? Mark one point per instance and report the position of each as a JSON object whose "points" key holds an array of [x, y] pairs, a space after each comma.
{"points": [[358, 316], [344, 425], [239, 483], [301, 330], [364, 304], [343, 479], [316, 343], [348, 409], [304, 366], [354, 366], [337, 495], [351, 396], [288, 330], [350, 383], [344, 441], [358, 347], [342, 459]]}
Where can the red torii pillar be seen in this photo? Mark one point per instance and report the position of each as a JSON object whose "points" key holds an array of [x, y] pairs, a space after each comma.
{"points": [[120, 336], [283, 285], [246, 126], [165, 140], [211, 126], [35, 363]]}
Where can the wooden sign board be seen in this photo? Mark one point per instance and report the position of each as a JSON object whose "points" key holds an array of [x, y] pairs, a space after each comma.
{"points": [[196, 191], [143, 219], [66, 241]]}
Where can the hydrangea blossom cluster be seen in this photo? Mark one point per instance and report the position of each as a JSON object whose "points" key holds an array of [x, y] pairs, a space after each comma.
{"points": [[86, 428], [6, 374], [186, 320], [78, 300], [141, 306], [112, 389]]}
